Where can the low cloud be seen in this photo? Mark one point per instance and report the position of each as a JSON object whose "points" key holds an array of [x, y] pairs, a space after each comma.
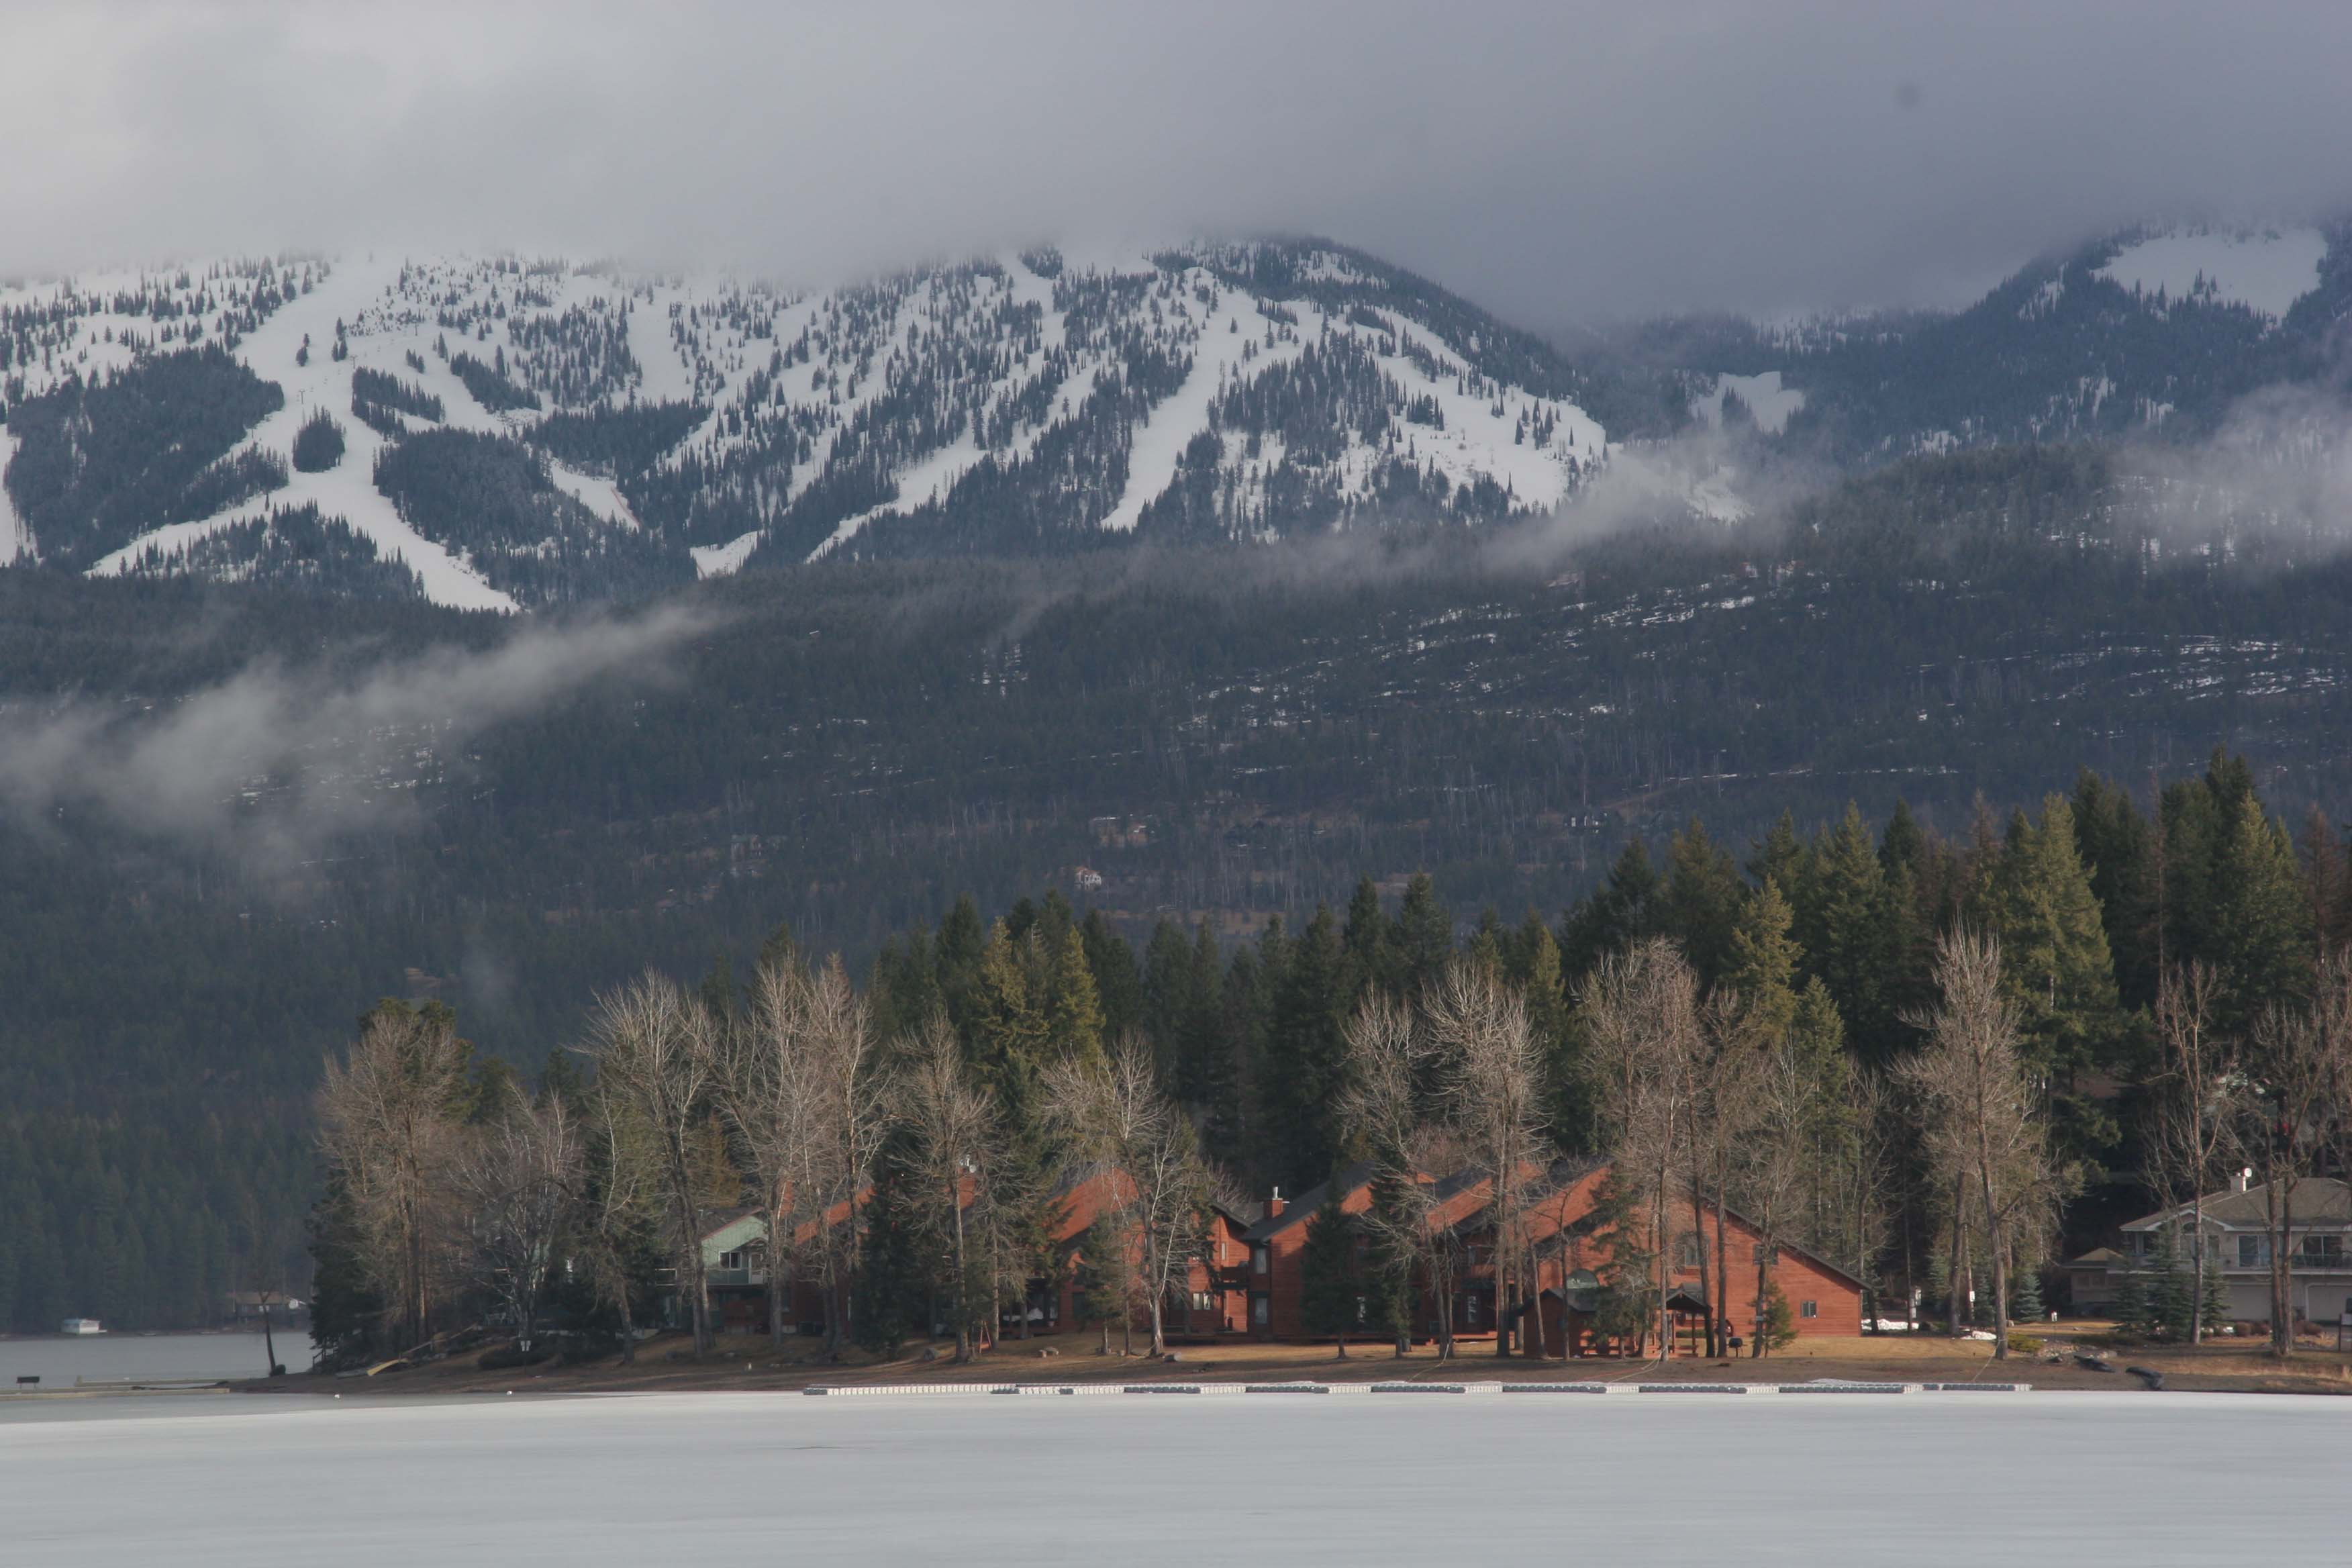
{"points": [[272, 762]]}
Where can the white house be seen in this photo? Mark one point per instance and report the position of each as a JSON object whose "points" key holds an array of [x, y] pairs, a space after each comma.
{"points": [[2236, 1238]]}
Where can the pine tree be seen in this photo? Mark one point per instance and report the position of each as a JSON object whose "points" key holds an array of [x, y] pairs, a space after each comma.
{"points": [[2025, 1297], [1119, 986], [1779, 857], [1071, 1010], [2260, 934], [1620, 912], [1842, 922], [1371, 954], [1764, 959], [1331, 1288], [1102, 1281], [1702, 900], [1009, 1032], [2172, 1296], [1423, 936], [2054, 954], [1305, 1056], [2131, 1306]]}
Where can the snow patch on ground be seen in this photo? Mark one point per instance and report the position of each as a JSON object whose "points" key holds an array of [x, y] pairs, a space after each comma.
{"points": [[1158, 445], [15, 544], [599, 495], [1770, 402], [348, 489], [2267, 270], [724, 559]]}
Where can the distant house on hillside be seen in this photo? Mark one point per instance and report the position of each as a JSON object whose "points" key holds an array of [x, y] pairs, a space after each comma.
{"points": [[2237, 1241]]}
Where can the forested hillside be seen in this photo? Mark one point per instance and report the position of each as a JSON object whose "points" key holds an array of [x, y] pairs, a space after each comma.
{"points": [[1230, 735]]}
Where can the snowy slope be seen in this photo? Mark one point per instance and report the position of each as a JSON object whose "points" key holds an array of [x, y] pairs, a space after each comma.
{"points": [[1071, 391], [2266, 271]]}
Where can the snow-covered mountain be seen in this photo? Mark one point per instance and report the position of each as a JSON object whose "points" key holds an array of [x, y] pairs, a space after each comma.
{"points": [[2154, 332], [509, 432]]}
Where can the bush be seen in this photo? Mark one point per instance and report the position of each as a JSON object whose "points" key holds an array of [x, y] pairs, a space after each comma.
{"points": [[2024, 1344], [319, 445]]}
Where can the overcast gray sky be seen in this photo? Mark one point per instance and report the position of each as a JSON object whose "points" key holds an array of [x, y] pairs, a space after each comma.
{"points": [[1558, 162]]}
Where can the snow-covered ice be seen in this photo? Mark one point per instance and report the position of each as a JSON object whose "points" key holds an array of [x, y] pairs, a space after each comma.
{"points": [[2126, 1478], [2267, 270]]}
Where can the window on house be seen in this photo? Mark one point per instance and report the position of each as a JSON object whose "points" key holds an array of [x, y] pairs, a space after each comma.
{"points": [[1809, 1308], [2254, 1251], [2324, 1250], [1689, 1254], [1259, 1310], [1261, 1260], [731, 1261]]}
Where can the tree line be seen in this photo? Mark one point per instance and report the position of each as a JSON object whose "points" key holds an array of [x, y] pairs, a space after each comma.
{"points": [[1924, 1060]]}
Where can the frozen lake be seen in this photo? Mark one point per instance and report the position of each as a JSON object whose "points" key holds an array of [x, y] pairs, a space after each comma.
{"points": [[58, 1360], [2126, 1478]]}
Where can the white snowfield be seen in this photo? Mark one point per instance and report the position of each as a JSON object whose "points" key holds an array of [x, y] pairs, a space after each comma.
{"points": [[2128, 1478], [1021, 351], [2266, 270], [1770, 402]]}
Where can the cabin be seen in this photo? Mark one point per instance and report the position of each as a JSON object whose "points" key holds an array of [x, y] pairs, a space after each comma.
{"points": [[1214, 1300], [1568, 1231]]}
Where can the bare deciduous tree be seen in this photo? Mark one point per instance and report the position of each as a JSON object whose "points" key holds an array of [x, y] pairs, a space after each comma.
{"points": [[520, 1179], [2196, 1116], [1985, 1134], [654, 1049], [797, 1084], [1380, 1111], [389, 1128], [1118, 1124], [1641, 1013], [956, 1141], [1493, 1074]]}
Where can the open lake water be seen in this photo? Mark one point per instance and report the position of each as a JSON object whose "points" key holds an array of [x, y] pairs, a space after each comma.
{"points": [[2124, 1478]]}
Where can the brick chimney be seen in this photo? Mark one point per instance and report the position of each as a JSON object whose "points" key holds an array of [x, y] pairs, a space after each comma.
{"points": [[1274, 1205]]}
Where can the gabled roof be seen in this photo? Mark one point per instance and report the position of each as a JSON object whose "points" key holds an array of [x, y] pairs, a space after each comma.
{"points": [[2320, 1201], [2315, 1199], [1303, 1208]]}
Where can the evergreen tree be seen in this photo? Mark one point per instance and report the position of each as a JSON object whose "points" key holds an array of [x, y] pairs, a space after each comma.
{"points": [[1331, 1288], [1009, 1037], [1423, 937], [2261, 936], [2119, 851], [1102, 1281], [1842, 924], [2131, 1306], [1701, 900], [1305, 1058], [1764, 959], [1372, 962], [1613, 915], [1779, 857], [1119, 986], [890, 1292], [2056, 965], [2025, 1297], [1070, 1009]]}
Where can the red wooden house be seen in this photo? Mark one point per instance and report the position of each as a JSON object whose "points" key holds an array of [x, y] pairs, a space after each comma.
{"points": [[1569, 1236]]}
